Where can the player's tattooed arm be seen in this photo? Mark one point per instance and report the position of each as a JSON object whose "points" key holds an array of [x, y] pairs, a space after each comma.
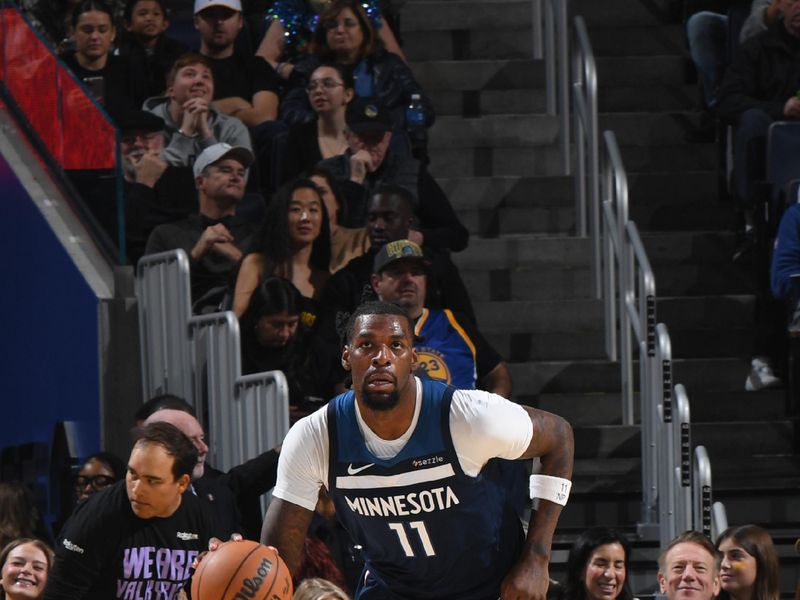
{"points": [[552, 441], [285, 527]]}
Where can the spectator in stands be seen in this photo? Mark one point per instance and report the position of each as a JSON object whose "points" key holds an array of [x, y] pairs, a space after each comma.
{"points": [[390, 216], [150, 51], [763, 13], [449, 346], [275, 337], [294, 243], [758, 89], [192, 122], [347, 243], [24, 566], [158, 403], [99, 471], [749, 568], [291, 24], [369, 163], [19, 514], [53, 19], [316, 588], [215, 239], [689, 567], [345, 35], [244, 86], [329, 89], [146, 515], [598, 566], [785, 271], [155, 191], [108, 77], [232, 497]]}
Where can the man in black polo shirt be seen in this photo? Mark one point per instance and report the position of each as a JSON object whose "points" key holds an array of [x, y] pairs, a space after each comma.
{"points": [[216, 238]]}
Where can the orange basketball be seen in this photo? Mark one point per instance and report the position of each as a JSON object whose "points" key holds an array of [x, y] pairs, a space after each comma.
{"points": [[240, 571]]}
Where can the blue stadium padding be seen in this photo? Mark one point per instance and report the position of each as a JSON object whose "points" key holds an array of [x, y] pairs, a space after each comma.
{"points": [[49, 363]]}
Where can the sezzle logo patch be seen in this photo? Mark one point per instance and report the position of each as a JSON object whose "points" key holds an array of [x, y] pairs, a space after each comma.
{"points": [[182, 535], [427, 462]]}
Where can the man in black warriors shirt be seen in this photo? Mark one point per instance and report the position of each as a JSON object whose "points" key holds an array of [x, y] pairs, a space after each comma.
{"points": [[137, 538]]}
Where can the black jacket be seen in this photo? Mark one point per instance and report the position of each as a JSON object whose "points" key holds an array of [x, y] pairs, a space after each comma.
{"points": [[393, 80], [438, 222], [765, 76]]}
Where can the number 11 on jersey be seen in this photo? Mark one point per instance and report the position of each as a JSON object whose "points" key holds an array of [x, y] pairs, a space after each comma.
{"points": [[419, 527]]}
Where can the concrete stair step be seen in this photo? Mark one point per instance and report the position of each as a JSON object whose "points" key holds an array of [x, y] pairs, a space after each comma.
{"points": [[646, 189], [586, 316], [553, 283], [525, 73], [565, 345], [740, 439], [556, 376], [679, 215], [584, 410], [472, 103], [620, 505], [615, 474], [534, 252], [493, 130], [615, 13], [446, 15], [637, 40], [545, 161], [513, 40], [631, 129]]}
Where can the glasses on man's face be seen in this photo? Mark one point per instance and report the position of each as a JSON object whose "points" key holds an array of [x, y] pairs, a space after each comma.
{"points": [[327, 84], [98, 482]]}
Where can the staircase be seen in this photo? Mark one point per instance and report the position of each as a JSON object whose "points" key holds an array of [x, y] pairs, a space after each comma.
{"points": [[494, 152]]}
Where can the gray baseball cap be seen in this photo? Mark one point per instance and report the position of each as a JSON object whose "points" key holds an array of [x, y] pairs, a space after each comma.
{"points": [[219, 151]]}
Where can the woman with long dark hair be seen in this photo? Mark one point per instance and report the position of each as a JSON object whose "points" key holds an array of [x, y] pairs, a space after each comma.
{"points": [[597, 566], [329, 89], [295, 243], [275, 337], [345, 35], [749, 568]]}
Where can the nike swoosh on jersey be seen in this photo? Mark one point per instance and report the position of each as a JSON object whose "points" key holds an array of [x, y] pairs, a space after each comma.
{"points": [[352, 471]]}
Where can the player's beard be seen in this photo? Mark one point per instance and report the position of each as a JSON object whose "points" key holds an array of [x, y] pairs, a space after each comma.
{"points": [[380, 401]]}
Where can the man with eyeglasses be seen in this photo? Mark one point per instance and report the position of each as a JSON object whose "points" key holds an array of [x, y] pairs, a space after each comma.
{"points": [[215, 238], [155, 191]]}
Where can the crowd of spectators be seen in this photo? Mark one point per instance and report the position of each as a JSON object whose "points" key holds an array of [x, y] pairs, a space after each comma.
{"points": [[747, 55], [289, 178]]}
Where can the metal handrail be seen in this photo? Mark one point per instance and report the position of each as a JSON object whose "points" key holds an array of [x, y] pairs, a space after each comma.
{"points": [[551, 43], [710, 518], [584, 102]]}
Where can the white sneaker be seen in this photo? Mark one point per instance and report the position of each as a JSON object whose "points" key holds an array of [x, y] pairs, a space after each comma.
{"points": [[761, 375]]}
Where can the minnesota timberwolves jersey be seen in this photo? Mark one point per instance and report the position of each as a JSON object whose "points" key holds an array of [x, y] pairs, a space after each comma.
{"points": [[427, 529], [446, 352]]}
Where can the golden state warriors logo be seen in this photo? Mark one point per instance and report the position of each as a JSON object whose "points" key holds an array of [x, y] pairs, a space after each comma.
{"points": [[432, 365]]}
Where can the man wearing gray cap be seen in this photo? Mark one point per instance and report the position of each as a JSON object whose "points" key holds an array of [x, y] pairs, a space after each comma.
{"points": [[214, 239]]}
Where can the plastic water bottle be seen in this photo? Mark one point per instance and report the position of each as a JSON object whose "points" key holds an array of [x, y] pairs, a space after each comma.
{"points": [[415, 122], [415, 116]]}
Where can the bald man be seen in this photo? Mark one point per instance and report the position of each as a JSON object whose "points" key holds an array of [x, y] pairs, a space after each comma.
{"points": [[232, 497]]}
